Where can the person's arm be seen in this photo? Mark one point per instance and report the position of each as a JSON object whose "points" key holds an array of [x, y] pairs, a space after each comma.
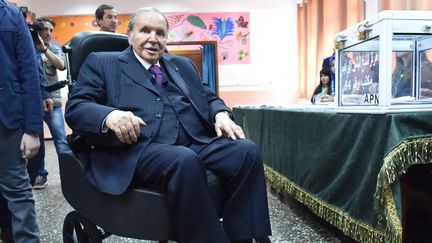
{"points": [[28, 77], [47, 100], [55, 59], [225, 126], [31, 94], [220, 114], [327, 98], [29, 146], [52, 53], [88, 97]]}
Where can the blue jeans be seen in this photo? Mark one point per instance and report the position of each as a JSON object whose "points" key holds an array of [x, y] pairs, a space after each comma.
{"points": [[55, 122], [56, 126]]}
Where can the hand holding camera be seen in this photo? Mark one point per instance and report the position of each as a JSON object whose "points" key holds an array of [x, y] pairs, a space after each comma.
{"points": [[37, 40], [33, 27]]}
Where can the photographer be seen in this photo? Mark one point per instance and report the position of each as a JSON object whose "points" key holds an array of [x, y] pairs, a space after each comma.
{"points": [[50, 59]]}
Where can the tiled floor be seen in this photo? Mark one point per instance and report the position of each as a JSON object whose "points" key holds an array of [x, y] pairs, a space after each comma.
{"points": [[291, 222]]}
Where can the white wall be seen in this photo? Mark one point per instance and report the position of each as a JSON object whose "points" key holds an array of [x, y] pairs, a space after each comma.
{"points": [[273, 26], [372, 7]]}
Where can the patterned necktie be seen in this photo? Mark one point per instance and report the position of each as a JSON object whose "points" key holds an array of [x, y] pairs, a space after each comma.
{"points": [[157, 73]]}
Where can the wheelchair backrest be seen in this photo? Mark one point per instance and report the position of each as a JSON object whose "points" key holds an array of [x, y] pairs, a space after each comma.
{"points": [[83, 43]]}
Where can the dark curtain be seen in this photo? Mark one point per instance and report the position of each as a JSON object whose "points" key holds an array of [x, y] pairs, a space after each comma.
{"points": [[209, 66]]}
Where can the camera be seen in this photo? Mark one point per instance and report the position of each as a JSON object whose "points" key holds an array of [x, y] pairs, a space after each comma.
{"points": [[33, 27]]}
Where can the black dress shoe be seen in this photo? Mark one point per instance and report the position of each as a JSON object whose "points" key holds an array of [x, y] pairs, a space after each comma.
{"points": [[241, 241], [263, 240]]}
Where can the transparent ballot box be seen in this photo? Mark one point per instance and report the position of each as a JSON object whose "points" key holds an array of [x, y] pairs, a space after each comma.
{"points": [[384, 64]]}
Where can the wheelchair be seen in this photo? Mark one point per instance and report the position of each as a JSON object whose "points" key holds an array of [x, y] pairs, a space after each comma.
{"points": [[139, 213]]}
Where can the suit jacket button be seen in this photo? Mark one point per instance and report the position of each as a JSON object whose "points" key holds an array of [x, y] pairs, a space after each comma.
{"points": [[158, 98], [92, 147], [158, 115]]}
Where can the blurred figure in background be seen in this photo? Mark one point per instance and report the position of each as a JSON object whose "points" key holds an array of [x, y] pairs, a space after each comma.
{"points": [[402, 81], [329, 63], [106, 18], [323, 92]]}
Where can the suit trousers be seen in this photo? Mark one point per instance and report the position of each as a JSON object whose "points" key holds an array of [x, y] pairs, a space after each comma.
{"points": [[15, 189], [180, 171]]}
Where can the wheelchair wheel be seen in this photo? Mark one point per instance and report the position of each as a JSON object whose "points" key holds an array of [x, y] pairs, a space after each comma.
{"points": [[78, 229]]}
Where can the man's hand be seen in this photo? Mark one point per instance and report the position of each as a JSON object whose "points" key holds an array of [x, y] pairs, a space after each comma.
{"points": [[327, 98], [224, 126], [41, 45], [29, 145], [125, 125], [48, 105]]}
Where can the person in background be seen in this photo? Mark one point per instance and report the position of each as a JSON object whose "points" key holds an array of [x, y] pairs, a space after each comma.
{"points": [[323, 92], [20, 126], [50, 59], [402, 80], [426, 74], [106, 18], [329, 63], [155, 124]]}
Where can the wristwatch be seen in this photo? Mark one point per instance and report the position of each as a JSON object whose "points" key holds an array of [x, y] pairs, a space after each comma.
{"points": [[45, 50]]}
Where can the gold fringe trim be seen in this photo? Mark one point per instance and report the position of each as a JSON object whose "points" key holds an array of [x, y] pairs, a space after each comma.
{"points": [[410, 152], [393, 229], [353, 228]]}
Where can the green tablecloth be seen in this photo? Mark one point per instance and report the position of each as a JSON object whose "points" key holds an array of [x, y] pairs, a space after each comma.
{"points": [[344, 167]]}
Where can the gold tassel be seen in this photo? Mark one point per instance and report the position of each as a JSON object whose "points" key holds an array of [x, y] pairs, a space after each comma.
{"points": [[397, 161], [353, 228]]}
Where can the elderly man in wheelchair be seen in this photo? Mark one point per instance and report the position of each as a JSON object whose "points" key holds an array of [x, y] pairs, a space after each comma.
{"points": [[149, 122]]}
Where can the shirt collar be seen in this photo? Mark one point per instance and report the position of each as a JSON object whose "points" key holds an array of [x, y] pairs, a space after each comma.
{"points": [[143, 62]]}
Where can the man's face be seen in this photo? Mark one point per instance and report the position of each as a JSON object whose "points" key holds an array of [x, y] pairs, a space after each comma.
{"points": [[149, 36], [46, 33], [109, 21]]}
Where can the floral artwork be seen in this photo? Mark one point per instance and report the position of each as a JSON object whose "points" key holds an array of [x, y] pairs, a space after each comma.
{"points": [[230, 30]]}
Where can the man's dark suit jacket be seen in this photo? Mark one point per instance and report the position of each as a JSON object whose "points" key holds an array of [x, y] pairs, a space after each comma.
{"points": [[116, 80]]}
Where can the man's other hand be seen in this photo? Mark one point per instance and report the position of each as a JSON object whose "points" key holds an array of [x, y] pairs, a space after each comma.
{"points": [[125, 125], [48, 105], [29, 145], [224, 126]]}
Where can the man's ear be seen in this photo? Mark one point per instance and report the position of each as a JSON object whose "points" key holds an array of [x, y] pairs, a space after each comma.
{"points": [[129, 34], [98, 22]]}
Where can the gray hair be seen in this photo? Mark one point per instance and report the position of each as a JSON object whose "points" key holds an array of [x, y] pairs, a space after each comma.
{"points": [[140, 11]]}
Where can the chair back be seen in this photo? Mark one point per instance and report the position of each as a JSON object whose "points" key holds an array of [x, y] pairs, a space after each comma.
{"points": [[83, 43]]}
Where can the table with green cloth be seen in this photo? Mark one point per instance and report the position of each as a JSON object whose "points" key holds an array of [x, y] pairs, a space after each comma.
{"points": [[343, 167]]}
